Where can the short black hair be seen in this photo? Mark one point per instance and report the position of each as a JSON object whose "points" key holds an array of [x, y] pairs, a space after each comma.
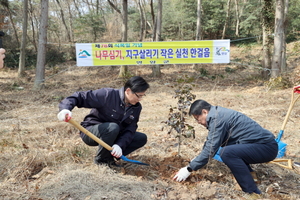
{"points": [[136, 84], [197, 107]]}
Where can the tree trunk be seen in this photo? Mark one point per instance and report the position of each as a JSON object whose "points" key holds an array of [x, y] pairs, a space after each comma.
{"points": [[153, 20], [124, 68], [32, 25], [97, 7], [198, 31], [142, 20], [77, 8], [267, 24], [156, 68], [71, 22], [13, 25], [198, 28], [125, 20], [124, 14], [237, 27], [158, 21], [285, 23], [226, 19], [266, 62], [64, 21], [278, 39], [21, 71], [41, 55]]}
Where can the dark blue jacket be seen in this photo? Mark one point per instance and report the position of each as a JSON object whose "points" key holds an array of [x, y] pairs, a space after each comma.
{"points": [[228, 127], [107, 105]]}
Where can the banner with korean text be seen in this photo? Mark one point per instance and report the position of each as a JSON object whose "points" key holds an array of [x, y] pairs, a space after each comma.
{"points": [[153, 53]]}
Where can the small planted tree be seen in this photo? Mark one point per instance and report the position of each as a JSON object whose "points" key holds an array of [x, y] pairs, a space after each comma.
{"points": [[178, 114]]}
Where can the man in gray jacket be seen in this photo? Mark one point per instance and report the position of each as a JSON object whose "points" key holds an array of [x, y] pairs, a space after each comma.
{"points": [[243, 142], [113, 117]]}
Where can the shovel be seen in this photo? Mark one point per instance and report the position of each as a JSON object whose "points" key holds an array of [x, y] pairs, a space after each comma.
{"points": [[99, 141], [282, 145]]}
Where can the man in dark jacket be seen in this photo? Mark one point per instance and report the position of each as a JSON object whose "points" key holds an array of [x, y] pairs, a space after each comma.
{"points": [[113, 117], [243, 142]]}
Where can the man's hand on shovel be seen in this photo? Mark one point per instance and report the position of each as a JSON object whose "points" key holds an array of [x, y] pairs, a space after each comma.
{"points": [[116, 151], [64, 115]]}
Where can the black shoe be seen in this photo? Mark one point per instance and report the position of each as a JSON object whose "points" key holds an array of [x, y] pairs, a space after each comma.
{"points": [[113, 164], [109, 163]]}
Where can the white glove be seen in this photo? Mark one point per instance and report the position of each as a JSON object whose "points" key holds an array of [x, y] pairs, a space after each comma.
{"points": [[116, 151], [182, 174], [63, 114]]}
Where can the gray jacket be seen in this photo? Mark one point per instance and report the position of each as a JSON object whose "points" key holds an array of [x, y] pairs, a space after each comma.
{"points": [[228, 127], [107, 105]]}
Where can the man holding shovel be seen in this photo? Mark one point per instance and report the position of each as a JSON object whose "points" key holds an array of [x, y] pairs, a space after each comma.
{"points": [[243, 142], [113, 118]]}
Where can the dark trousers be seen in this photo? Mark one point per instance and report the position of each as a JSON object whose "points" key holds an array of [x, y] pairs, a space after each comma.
{"points": [[238, 157], [108, 132]]}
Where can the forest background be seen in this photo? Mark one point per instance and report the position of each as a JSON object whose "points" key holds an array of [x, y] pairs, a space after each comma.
{"points": [[42, 158]]}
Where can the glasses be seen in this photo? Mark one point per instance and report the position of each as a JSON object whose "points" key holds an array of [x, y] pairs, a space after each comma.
{"points": [[196, 117], [139, 96]]}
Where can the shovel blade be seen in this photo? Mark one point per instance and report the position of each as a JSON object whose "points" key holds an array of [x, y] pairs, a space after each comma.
{"points": [[133, 161], [281, 145], [281, 149]]}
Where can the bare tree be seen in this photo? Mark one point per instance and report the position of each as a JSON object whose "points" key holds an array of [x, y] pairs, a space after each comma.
{"points": [[77, 8], [124, 14], [198, 30], [125, 20], [124, 68], [278, 39], [226, 19], [156, 68], [158, 21], [71, 21], [63, 20], [41, 55], [89, 5], [32, 18], [267, 25], [285, 22], [142, 20], [13, 24], [237, 27], [23, 43], [153, 20]]}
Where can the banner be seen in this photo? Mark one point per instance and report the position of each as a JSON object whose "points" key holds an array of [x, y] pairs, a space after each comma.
{"points": [[153, 53]]}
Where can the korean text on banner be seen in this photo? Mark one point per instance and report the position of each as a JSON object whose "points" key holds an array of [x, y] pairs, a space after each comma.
{"points": [[153, 53]]}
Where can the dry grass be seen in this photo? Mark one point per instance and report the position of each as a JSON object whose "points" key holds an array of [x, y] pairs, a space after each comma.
{"points": [[42, 158]]}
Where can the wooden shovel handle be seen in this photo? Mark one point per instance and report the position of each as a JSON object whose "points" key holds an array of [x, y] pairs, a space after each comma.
{"points": [[91, 135], [293, 101]]}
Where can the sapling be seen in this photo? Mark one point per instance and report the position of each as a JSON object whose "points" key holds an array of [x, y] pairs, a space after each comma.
{"points": [[178, 114]]}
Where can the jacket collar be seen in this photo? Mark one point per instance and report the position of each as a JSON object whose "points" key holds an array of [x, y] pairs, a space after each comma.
{"points": [[122, 97], [122, 94]]}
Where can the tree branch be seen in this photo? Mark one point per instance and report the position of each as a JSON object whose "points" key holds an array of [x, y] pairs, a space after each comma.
{"points": [[114, 6]]}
